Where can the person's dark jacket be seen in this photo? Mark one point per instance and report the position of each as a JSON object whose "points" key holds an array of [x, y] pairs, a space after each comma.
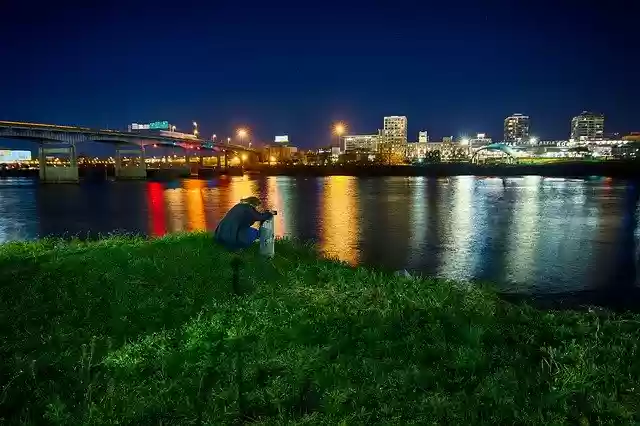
{"points": [[232, 231]]}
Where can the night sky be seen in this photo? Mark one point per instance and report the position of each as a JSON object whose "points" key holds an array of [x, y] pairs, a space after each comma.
{"points": [[452, 67]]}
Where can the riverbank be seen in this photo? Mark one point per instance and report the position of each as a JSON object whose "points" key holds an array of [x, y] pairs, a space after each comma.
{"points": [[568, 169], [127, 330]]}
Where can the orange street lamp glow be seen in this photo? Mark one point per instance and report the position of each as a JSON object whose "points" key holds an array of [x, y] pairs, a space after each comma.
{"points": [[242, 133], [339, 128]]}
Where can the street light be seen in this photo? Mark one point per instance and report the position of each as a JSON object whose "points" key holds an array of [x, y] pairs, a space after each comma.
{"points": [[228, 141], [242, 133], [173, 128], [339, 129], [195, 128]]}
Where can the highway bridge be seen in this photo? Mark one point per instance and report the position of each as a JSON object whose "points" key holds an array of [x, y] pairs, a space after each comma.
{"points": [[53, 133], [131, 144]]}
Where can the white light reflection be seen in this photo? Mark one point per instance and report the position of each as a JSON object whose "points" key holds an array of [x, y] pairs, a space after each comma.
{"points": [[277, 190], [418, 220], [457, 258], [522, 246]]}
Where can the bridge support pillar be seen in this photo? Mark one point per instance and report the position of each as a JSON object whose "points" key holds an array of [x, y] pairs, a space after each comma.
{"points": [[53, 173], [193, 166], [133, 167]]}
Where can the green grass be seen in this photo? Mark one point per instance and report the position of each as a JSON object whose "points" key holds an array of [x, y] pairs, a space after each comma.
{"points": [[134, 331]]}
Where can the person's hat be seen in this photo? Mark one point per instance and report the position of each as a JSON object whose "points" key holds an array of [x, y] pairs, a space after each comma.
{"points": [[254, 201]]}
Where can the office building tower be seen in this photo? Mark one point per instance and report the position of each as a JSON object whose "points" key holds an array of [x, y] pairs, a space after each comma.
{"points": [[394, 136], [516, 128], [587, 126]]}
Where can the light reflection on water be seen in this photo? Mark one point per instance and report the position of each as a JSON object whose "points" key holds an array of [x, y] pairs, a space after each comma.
{"points": [[339, 229], [530, 234]]}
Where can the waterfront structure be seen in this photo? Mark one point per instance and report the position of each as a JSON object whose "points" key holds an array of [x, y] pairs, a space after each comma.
{"points": [[360, 143], [516, 128], [279, 153], [393, 143], [9, 156], [632, 137], [587, 127], [417, 150], [481, 139]]}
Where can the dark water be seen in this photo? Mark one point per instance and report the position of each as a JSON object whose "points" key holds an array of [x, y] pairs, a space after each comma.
{"points": [[531, 235]]}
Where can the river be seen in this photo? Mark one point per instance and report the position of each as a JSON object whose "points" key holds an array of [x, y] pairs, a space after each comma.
{"points": [[548, 237]]}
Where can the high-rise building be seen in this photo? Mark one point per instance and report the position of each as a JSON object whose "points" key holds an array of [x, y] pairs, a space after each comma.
{"points": [[394, 136], [587, 126], [423, 136], [516, 128]]}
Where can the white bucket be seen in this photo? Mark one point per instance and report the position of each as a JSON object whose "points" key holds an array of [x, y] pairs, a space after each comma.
{"points": [[267, 238]]}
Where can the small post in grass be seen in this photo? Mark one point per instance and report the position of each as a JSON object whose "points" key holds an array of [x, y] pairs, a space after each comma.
{"points": [[267, 237], [235, 274]]}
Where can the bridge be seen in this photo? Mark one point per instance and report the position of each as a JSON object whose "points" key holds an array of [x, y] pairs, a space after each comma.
{"points": [[51, 136]]}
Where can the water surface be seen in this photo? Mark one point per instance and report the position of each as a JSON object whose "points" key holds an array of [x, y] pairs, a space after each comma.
{"points": [[529, 235]]}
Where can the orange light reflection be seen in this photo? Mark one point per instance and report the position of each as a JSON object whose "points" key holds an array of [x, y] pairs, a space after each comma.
{"points": [[274, 198], [174, 200], [339, 227], [239, 188], [195, 205]]}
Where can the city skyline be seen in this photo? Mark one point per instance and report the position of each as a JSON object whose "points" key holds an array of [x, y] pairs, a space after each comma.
{"points": [[295, 71]]}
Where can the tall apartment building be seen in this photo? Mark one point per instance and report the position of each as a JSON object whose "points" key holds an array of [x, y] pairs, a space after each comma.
{"points": [[587, 126], [394, 136], [516, 128]]}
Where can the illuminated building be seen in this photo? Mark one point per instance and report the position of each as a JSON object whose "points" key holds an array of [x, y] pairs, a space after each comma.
{"points": [[360, 143], [423, 136], [516, 128], [417, 150], [632, 137], [481, 139], [279, 153], [394, 137], [9, 156], [587, 126]]}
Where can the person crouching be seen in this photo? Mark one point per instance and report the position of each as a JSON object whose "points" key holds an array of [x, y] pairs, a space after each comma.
{"points": [[235, 230]]}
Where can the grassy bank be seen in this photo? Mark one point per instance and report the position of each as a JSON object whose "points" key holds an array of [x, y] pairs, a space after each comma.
{"points": [[130, 331]]}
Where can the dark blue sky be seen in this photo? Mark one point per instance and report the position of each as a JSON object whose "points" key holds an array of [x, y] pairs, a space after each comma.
{"points": [[452, 67]]}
